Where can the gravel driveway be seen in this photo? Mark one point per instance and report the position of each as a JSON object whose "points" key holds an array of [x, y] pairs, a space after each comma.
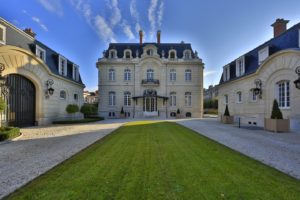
{"points": [[41, 148], [279, 150]]}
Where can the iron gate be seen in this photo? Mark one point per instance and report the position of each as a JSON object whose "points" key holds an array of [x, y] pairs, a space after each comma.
{"points": [[20, 101]]}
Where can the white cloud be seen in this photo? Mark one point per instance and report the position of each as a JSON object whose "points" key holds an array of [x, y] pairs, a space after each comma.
{"points": [[54, 6], [103, 29], [160, 14], [208, 73], [127, 30], [40, 23], [116, 12], [135, 15], [152, 17]]}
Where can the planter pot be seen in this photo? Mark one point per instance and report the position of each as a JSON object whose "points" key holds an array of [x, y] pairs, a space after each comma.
{"points": [[277, 125], [177, 116], [122, 115], [227, 119]]}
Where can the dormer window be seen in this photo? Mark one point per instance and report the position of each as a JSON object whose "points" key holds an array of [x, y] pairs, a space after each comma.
{"points": [[172, 54], [40, 52], [75, 73], [187, 54], [127, 54], [62, 66], [240, 66], [2, 34], [263, 54], [150, 52], [226, 73], [113, 53]]}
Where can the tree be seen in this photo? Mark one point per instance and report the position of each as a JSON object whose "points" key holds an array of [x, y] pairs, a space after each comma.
{"points": [[226, 111], [88, 109], [72, 108], [276, 112]]}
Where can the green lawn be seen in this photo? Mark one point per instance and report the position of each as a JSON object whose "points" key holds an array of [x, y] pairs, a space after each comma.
{"points": [[160, 160]]}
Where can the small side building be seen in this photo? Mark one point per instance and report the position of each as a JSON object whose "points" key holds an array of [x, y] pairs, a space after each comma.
{"points": [[37, 82], [250, 83]]}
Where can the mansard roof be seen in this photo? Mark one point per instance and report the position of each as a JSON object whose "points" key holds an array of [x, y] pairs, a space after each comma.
{"points": [[18, 38], [287, 40], [134, 47]]}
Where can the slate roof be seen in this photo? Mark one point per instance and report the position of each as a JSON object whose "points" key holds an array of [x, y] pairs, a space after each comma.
{"points": [[18, 38], [120, 47], [287, 40]]}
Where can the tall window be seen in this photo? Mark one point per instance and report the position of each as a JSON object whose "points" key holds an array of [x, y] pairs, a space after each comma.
{"points": [[75, 73], [41, 53], [127, 75], [188, 75], [111, 75], [150, 52], [253, 96], [127, 54], [172, 54], [127, 99], [173, 99], [173, 75], [150, 74], [62, 66], [239, 97], [113, 54], [263, 54], [2, 34], [283, 88], [240, 66], [187, 54], [188, 99], [226, 99], [63, 94], [226, 73], [111, 98]]}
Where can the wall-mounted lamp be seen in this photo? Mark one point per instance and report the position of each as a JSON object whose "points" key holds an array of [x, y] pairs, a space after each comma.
{"points": [[49, 90], [257, 90], [297, 82], [3, 86]]}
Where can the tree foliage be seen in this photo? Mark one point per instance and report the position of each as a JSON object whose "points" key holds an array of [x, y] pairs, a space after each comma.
{"points": [[211, 104], [88, 109], [72, 108]]}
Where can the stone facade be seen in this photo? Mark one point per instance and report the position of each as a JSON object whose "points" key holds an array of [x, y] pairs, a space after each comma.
{"points": [[150, 95], [23, 62]]}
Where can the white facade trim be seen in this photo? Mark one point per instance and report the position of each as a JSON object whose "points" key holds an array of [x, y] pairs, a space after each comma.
{"points": [[3, 39], [63, 70], [38, 51], [263, 54], [240, 66]]}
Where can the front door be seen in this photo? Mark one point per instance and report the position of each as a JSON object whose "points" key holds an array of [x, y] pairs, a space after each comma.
{"points": [[150, 106], [21, 101]]}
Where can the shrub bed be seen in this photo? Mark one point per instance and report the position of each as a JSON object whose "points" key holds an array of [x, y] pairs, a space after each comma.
{"points": [[9, 133], [79, 121]]}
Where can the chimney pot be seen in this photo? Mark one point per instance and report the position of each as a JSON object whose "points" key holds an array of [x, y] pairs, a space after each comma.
{"points": [[279, 26], [158, 36], [30, 32], [141, 37]]}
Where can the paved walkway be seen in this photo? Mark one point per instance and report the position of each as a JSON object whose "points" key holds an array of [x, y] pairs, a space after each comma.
{"points": [[41, 148], [279, 150]]}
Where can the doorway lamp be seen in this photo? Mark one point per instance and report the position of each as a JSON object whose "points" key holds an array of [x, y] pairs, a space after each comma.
{"points": [[49, 90], [257, 90]]}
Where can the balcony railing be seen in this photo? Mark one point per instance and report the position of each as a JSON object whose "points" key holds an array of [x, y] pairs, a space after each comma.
{"points": [[150, 82]]}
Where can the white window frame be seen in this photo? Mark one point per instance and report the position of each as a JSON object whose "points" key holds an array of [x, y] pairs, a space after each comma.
{"points": [[38, 50], [239, 97], [127, 74], [226, 73], [226, 99], [3, 41], [111, 74], [172, 74], [283, 94], [253, 97], [240, 66], [114, 52], [127, 98], [150, 74], [150, 52], [175, 54], [127, 51], [187, 54], [112, 98], [188, 75], [188, 99], [173, 99], [263, 54], [63, 72], [75, 72], [60, 96]]}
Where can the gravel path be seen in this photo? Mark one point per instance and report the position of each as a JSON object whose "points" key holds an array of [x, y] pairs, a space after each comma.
{"points": [[279, 150], [42, 148]]}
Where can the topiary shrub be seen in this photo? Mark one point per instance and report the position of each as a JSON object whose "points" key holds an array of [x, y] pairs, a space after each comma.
{"points": [[9, 133], [226, 111], [276, 112], [122, 111], [88, 110], [72, 108], [178, 111]]}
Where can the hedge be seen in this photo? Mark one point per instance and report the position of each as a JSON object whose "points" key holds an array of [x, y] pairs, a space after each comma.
{"points": [[79, 121], [9, 133]]}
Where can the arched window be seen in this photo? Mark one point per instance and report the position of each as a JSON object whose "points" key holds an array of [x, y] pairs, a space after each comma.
{"points": [[127, 54], [188, 75], [150, 74], [150, 52], [239, 97], [111, 98], [283, 94], [188, 114], [172, 54], [113, 53], [173, 99], [111, 75], [127, 99], [173, 75], [226, 99], [63, 94], [187, 54], [127, 74], [188, 99]]}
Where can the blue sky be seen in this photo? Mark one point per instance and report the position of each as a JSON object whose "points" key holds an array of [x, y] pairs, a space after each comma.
{"points": [[219, 30]]}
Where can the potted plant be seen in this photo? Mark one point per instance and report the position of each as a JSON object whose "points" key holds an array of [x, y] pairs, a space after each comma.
{"points": [[122, 114], [72, 109], [277, 123], [226, 118], [178, 113]]}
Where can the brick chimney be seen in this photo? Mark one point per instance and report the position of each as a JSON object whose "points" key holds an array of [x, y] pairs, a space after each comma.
{"points": [[30, 32], [141, 37], [279, 26], [158, 36]]}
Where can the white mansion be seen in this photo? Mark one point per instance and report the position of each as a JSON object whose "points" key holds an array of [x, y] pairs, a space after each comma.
{"points": [[150, 80]]}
